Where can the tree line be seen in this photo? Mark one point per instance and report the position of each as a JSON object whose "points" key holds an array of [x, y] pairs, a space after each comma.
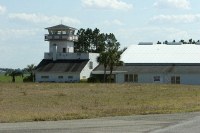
{"points": [[190, 41], [18, 72]]}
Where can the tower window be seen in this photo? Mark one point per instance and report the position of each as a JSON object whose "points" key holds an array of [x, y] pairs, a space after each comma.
{"points": [[64, 50], [91, 65]]}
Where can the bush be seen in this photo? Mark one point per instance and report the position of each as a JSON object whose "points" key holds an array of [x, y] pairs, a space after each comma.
{"points": [[93, 80], [83, 81], [28, 79]]}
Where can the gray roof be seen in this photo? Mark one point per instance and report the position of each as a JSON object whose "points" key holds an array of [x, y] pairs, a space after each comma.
{"points": [[60, 27], [64, 66], [153, 68]]}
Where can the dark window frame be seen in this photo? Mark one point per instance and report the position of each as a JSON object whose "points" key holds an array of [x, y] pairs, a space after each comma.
{"points": [[64, 50], [60, 77], [175, 79], [156, 78], [135, 78], [44, 77], [90, 65]]}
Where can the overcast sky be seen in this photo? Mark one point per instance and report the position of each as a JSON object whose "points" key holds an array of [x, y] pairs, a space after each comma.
{"points": [[132, 21]]}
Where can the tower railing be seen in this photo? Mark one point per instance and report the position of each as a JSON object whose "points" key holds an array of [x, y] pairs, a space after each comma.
{"points": [[67, 56]]}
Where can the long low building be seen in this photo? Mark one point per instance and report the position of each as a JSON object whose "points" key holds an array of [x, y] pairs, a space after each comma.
{"points": [[172, 63]]}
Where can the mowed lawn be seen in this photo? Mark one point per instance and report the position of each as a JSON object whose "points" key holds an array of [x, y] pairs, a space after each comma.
{"points": [[56, 101]]}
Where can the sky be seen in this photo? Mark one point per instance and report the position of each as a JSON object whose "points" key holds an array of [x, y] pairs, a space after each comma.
{"points": [[23, 23]]}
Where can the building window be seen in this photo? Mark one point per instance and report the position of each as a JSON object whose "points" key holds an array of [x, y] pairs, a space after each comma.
{"points": [[45, 77], [126, 77], [135, 78], [130, 77], [64, 50], [60, 77], [178, 80], [156, 78], [91, 65], [70, 77], [175, 80]]}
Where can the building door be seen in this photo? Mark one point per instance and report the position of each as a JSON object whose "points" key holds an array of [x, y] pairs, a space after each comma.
{"points": [[135, 78], [131, 78], [175, 80]]}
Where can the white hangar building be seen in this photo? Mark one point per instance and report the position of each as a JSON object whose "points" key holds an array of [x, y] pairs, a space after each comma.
{"points": [[172, 63], [61, 63]]}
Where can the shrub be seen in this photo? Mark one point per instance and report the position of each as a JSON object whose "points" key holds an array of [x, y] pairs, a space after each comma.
{"points": [[93, 80], [28, 79]]}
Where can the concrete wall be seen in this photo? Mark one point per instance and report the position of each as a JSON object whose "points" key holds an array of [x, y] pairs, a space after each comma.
{"points": [[62, 44], [56, 77], [120, 78]]}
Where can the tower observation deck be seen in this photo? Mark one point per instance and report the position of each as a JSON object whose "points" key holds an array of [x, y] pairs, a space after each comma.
{"points": [[61, 33]]}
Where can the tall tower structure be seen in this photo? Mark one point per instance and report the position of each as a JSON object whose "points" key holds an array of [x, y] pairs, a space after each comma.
{"points": [[61, 40], [61, 63]]}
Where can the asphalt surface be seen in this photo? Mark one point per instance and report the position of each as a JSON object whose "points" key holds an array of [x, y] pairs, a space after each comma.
{"points": [[169, 123]]}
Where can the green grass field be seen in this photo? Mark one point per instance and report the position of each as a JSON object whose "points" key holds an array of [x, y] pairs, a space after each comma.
{"points": [[51, 101], [7, 79]]}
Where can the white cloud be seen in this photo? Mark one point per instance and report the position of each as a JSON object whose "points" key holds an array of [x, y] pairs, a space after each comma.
{"points": [[188, 18], [113, 22], [151, 34], [107, 4], [181, 4], [40, 18], [2, 9], [8, 34]]}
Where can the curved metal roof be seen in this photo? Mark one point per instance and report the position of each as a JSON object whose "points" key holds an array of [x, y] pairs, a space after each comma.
{"points": [[162, 53]]}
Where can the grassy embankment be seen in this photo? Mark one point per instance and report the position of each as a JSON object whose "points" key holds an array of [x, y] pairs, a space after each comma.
{"points": [[50, 101]]}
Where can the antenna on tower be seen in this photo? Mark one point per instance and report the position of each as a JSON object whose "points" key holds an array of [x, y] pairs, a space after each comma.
{"points": [[61, 21]]}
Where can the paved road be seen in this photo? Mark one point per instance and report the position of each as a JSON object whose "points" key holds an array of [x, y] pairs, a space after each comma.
{"points": [[174, 123]]}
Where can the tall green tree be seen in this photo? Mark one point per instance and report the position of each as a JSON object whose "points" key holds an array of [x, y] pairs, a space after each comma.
{"points": [[81, 44], [111, 56], [114, 53], [103, 60], [30, 69], [90, 41]]}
